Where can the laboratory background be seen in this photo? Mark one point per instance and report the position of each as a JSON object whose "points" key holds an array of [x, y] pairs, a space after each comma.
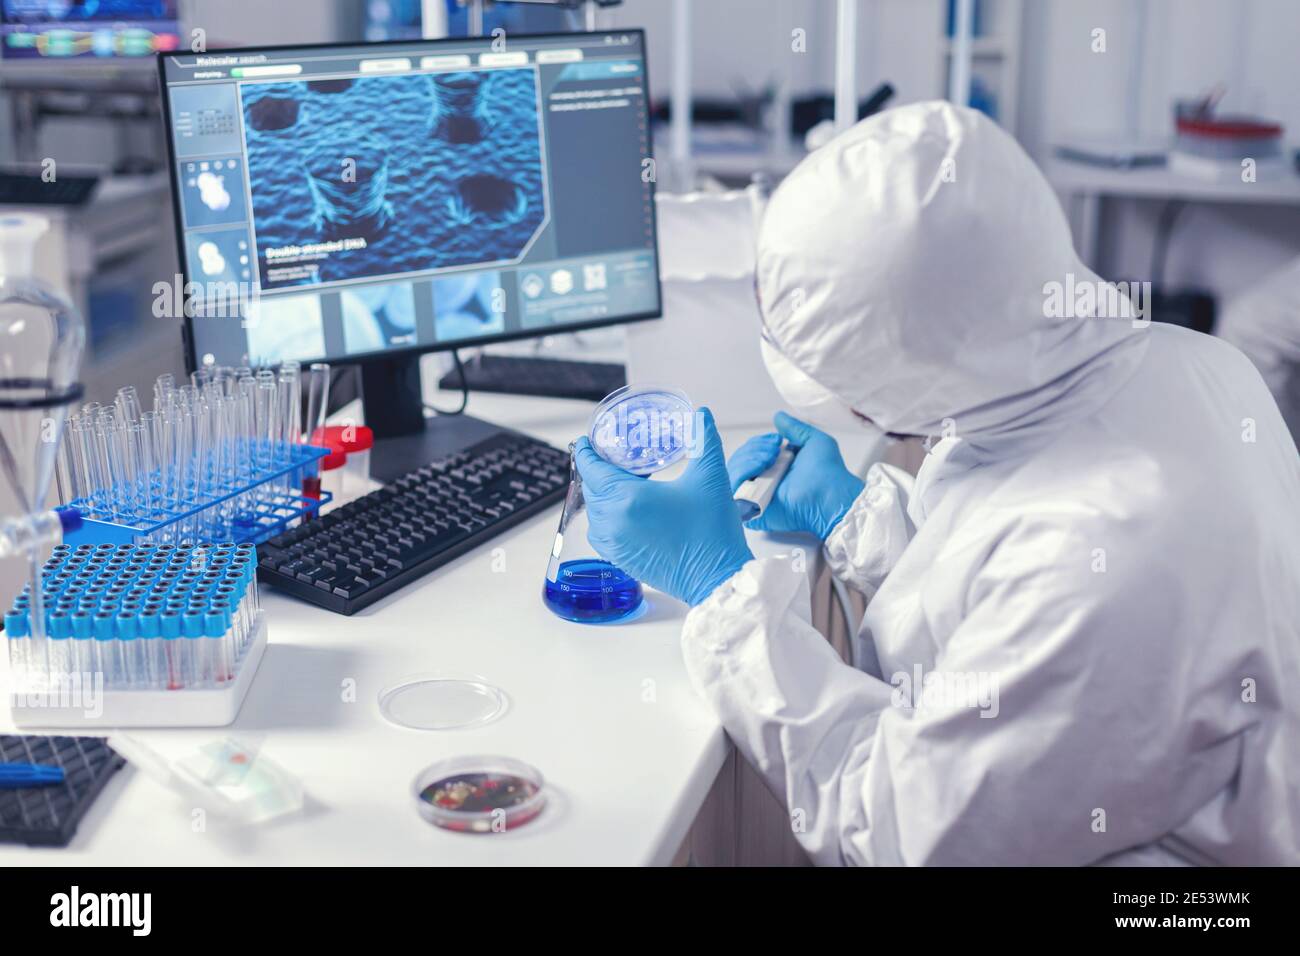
{"points": [[305, 303]]}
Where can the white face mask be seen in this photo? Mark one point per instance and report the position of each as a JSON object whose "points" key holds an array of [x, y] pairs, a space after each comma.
{"points": [[807, 399]]}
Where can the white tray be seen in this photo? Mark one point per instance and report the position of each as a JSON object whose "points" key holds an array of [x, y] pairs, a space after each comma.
{"points": [[206, 707]]}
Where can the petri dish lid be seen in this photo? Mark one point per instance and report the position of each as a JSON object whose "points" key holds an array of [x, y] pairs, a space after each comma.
{"points": [[436, 702], [642, 428], [479, 793]]}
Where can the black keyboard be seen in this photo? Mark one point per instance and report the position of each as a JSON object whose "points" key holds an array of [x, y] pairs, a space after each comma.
{"points": [[546, 377], [368, 548], [29, 189]]}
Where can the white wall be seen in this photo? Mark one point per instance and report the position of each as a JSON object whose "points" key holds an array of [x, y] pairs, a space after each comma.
{"points": [[743, 44], [261, 22], [1188, 46]]}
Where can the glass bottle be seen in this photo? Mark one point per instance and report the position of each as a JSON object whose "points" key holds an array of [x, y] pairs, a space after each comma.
{"points": [[43, 337]]}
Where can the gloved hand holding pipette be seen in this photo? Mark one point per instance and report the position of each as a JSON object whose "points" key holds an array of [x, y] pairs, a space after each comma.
{"points": [[817, 490], [683, 537]]}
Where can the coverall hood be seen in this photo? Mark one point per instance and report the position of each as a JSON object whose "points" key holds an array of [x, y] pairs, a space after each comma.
{"points": [[907, 268]]}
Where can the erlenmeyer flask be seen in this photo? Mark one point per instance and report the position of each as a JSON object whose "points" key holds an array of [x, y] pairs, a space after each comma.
{"points": [[642, 429], [41, 337]]}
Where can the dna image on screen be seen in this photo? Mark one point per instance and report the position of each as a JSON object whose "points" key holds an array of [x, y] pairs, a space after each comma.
{"points": [[358, 178]]}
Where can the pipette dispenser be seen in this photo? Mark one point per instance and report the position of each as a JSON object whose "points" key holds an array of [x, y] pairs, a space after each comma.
{"points": [[137, 636]]}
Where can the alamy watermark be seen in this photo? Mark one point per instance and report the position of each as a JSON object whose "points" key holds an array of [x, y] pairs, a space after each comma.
{"points": [[212, 299], [1077, 298], [63, 691], [934, 690]]}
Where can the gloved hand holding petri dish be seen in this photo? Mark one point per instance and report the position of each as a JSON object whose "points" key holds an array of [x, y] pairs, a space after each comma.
{"points": [[681, 536], [641, 429], [634, 433]]}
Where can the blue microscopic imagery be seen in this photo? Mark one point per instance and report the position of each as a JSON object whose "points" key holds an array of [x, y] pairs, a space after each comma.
{"points": [[390, 175]]}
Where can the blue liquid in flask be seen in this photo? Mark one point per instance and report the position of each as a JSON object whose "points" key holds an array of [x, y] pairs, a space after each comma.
{"points": [[591, 591]]}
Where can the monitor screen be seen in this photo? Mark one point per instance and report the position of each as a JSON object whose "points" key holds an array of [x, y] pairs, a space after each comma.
{"points": [[341, 202], [86, 30]]}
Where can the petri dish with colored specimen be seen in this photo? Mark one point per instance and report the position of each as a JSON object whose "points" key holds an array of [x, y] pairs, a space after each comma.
{"points": [[480, 794]]}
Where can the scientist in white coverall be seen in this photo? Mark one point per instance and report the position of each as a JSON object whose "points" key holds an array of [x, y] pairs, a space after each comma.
{"points": [[1106, 532]]}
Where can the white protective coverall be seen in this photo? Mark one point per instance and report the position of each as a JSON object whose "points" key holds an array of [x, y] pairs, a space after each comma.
{"points": [[1109, 536], [1265, 324]]}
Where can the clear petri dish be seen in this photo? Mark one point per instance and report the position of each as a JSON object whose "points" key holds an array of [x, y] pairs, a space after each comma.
{"points": [[434, 702], [643, 428], [479, 793]]}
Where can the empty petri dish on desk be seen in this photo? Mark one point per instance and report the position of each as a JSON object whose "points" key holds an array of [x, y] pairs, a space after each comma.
{"points": [[479, 793], [433, 702]]}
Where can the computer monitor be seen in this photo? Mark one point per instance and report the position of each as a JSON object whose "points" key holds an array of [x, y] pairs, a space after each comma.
{"points": [[365, 203], [57, 41]]}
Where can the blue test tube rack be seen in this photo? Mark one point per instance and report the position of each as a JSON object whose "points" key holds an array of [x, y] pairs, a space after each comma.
{"points": [[248, 507], [138, 635]]}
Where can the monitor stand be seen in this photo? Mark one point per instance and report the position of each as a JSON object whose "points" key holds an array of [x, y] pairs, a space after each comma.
{"points": [[394, 410]]}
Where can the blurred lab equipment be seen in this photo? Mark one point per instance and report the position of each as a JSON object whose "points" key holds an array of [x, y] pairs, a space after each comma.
{"points": [[14, 776], [87, 764], [345, 471], [1213, 146], [232, 776], [43, 337]]}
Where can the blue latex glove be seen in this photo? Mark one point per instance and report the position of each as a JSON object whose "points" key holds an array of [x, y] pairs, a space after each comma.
{"points": [[682, 537], [817, 489]]}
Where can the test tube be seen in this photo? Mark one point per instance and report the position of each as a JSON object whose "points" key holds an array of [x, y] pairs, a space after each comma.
{"points": [[216, 428], [148, 461], [265, 410], [70, 478], [216, 650], [290, 408], [82, 634], [163, 389], [105, 650], [197, 667], [191, 435], [155, 676], [15, 621], [105, 450], [58, 649], [79, 440], [318, 394], [134, 669], [171, 449], [203, 469], [173, 649], [318, 389], [128, 404], [243, 415], [125, 449]]}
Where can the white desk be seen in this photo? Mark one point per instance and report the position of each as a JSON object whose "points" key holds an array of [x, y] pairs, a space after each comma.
{"points": [[606, 714]]}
